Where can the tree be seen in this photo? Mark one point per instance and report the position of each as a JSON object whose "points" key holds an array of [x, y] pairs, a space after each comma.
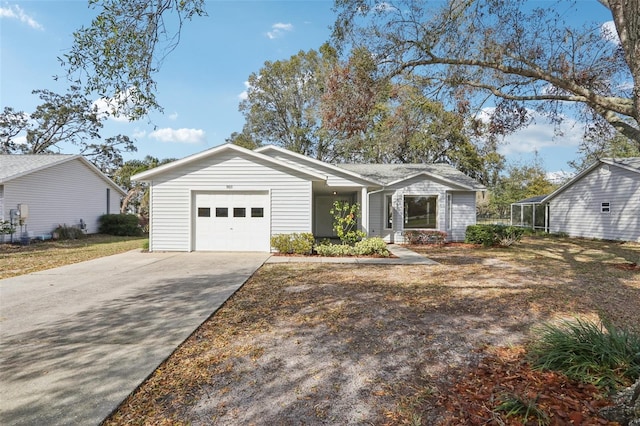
{"points": [[616, 146], [137, 192], [244, 140], [62, 119], [520, 182], [283, 104], [118, 55], [506, 49]]}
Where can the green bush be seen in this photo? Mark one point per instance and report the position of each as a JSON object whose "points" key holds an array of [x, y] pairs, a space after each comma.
{"points": [[345, 221], [333, 250], [425, 237], [125, 225], [492, 235], [601, 354], [371, 246], [293, 243], [64, 232]]}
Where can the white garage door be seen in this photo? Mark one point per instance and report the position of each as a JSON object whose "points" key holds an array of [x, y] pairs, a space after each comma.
{"points": [[232, 221]]}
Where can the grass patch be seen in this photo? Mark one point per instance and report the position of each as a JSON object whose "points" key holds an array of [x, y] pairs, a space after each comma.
{"points": [[39, 256], [517, 406], [600, 354]]}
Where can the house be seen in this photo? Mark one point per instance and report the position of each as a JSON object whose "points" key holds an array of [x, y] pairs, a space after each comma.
{"points": [[40, 192], [602, 202], [229, 198]]}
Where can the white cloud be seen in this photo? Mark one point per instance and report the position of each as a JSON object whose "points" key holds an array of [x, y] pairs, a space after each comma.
{"points": [[168, 134], [173, 117], [109, 106], [245, 93], [139, 134], [608, 32], [278, 30], [559, 177], [16, 12], [385, 7]]}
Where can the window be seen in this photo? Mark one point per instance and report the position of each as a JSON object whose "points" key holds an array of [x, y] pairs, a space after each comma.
{"points": [[222, 212], [605, 208], [257, 212], [419, 212], [204, 212], [239, 212], [108, 200], [388, 212]]}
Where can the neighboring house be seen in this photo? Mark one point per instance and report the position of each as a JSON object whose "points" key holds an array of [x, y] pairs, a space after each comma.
{"points": [[601, 202], [54, 190], [232, 198]]}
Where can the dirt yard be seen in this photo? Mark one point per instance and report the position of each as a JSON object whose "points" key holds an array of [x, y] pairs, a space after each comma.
{"points": [[313, 344]]}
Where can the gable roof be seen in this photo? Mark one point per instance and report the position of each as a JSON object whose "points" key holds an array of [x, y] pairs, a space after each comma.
{"points": [[319, 163], [390, 174], [632, 164], [13, 166], [149, 174]]}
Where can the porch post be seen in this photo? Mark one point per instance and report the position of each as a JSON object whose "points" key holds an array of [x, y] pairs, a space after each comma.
{"points": [[364, 210]]}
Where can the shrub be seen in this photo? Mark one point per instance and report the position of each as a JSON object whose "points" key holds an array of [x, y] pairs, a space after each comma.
{"points": [[369, 246], [125, 225], [491, 235], [425, 237], [600, 354], [345, 220], [293, 243], [65, 232], [333, 250]]}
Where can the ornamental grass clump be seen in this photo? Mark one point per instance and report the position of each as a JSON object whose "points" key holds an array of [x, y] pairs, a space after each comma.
{"points": [[600, 354]]}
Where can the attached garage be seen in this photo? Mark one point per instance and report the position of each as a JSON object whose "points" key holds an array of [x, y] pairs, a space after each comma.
{"points": [[232, 221]]}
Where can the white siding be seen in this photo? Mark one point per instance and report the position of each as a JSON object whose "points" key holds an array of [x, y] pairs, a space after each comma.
{"points": [[464, 207], [171, 196], [463, 214], [61, 195], [577, 210]]}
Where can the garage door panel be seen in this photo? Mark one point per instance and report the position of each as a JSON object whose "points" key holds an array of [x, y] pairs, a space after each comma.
{"points": [[235, 221]]}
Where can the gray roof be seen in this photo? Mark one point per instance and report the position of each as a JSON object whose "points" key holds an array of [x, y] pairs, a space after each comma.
{"points": [[389, 173], [532, 200], [14, 165], [631, 162]]}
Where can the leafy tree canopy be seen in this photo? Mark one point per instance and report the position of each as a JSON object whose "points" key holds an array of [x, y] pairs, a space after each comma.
{"points": [[60, 119], [118, 55], [517, 53]]}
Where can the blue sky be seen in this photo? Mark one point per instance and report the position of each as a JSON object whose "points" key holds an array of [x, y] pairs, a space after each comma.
{"points": [[201, 82]]}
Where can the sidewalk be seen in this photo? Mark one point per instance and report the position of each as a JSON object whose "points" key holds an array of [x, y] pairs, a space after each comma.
{"points": [[404, 256]]}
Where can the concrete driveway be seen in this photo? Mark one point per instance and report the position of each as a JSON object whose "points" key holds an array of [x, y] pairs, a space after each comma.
{"points": [[76, 340]]}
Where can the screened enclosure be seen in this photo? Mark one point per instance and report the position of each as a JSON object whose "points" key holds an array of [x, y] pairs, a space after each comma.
{"points": [[530, 213]]}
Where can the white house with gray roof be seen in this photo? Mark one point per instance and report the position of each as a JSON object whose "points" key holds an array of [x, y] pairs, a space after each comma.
{"points": [[229, 198], [55, 189], [602, 202]]}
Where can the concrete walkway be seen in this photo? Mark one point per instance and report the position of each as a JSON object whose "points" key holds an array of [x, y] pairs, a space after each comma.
{"points": [[404, 256], [76, 340]]}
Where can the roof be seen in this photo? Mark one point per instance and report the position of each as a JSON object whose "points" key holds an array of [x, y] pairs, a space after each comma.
{"points": [[532, 200], [631, 164], [330, 166], [149, 174], [13, 166], [390, 174]]}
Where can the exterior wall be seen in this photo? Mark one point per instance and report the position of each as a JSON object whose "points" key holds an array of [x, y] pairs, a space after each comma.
{"points": [[61, 195], [463, 214], [463, 208], [577, 209], [171, 194]]}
